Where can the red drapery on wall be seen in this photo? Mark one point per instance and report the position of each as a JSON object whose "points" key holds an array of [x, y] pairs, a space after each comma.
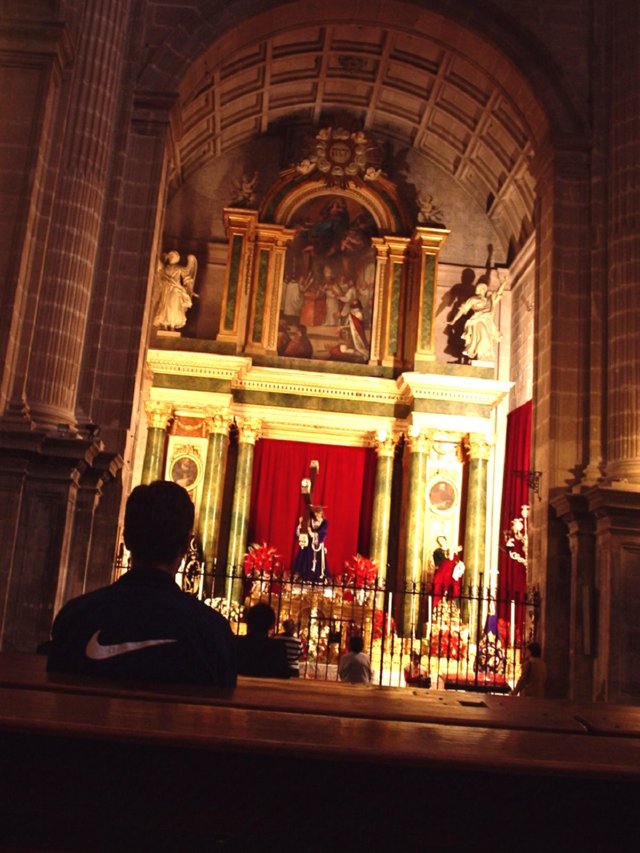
{"points": [[512, 581], [344, 486]]}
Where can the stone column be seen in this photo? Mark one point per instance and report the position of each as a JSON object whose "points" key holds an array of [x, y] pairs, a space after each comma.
{"points": [[211, 501], [573, 509], [623, 338], [158, 414], [385, 447], [248, 434], [419, 444], [479, 450], [76, 217]]}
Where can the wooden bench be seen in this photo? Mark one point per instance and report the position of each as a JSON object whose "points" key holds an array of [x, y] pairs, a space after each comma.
{"points": [[106, 764]]}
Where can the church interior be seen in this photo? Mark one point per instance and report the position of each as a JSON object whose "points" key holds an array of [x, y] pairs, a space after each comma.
{"points": [[395, 239]]}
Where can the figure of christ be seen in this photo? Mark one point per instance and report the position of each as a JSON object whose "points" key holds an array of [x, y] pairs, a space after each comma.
{"points": [[447, 580], [310, 563]]}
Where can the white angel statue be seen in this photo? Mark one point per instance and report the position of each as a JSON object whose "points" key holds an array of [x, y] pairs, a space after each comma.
{"points": [[174, 290]]}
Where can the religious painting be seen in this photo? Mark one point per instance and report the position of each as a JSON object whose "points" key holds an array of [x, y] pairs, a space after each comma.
{"points": [[185, 471], [329, 282], [442, 495]]}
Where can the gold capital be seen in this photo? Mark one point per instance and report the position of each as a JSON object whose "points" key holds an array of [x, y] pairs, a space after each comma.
{"points": [[158, 413]]}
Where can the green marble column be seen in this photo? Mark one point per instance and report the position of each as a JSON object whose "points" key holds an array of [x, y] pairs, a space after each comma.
{"points": [[213, 487], [385, 447], [476, 524], [419, 446], [248, 433], [158, 414]]}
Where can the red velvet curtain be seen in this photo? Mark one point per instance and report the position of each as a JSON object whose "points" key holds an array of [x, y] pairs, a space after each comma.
{"points": [[344, 486], [512, 580]]}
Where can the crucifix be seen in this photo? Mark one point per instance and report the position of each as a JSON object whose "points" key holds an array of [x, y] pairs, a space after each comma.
{"points": [[306, 490]]}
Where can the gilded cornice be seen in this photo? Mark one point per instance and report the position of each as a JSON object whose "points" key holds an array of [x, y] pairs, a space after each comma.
{"points": [[363, 389], [461, 390], [203, 365]]}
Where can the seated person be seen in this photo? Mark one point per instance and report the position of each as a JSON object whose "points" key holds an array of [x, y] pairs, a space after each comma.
{"points": [[355, 666], [534, 674], [259, 654], [293, 646], [416, 675], [143, 626]]}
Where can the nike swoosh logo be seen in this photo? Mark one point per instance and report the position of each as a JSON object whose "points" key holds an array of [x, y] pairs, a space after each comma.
{"points": [[96, 651]]}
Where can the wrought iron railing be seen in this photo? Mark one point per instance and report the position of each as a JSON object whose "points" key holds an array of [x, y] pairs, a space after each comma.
{"points": [[475, 641]]}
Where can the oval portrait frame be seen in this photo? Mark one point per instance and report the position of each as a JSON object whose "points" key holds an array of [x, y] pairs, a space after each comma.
{"points": [[189, 472], [442, 495]]}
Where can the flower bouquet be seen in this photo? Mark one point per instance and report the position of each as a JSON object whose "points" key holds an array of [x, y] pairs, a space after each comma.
{"points": [[360, 573], [263, 564]]}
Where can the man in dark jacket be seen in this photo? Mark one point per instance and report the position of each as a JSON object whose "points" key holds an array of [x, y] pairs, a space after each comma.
{"points": [[144, 627]]}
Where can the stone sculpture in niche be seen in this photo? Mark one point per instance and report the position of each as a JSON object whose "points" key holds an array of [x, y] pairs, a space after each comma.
{"points": [[480, 333], [174, 286]]}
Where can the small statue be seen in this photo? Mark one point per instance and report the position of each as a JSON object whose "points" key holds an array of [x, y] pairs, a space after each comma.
{"points": [[306, 166], [429, 213], [245, 193], [174, 291], [480, 332]]}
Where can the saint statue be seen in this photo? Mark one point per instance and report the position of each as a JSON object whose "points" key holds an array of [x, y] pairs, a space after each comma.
{"points": [[174, 291], [310, 563], [480, 333]]}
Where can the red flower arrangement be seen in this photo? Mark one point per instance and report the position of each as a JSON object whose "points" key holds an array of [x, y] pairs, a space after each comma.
{"points": [[360, 572], [263, 561], [381, 624]]}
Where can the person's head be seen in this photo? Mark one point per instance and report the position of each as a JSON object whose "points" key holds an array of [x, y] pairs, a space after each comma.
{"points": [[356, 644], [318, 512], [534, 650], [481, 288], [414, 657], [260, 619], [288, 626], [158, 521], [173, 257]]}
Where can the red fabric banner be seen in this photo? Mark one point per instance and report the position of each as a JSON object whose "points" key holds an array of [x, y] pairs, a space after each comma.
{"points": [[344, 486], [512, 580]]}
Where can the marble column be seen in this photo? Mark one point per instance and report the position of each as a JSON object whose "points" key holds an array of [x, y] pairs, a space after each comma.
{"points": [[213, 488], [385, 447], [158, 414], [479, 450], [248, 434], [419, 444]]}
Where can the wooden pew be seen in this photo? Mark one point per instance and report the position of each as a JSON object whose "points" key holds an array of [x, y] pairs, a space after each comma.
{"points": [[92, 765]]}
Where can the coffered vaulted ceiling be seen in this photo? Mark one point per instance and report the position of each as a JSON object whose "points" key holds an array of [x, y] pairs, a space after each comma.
{"points": [[420, 91]]}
